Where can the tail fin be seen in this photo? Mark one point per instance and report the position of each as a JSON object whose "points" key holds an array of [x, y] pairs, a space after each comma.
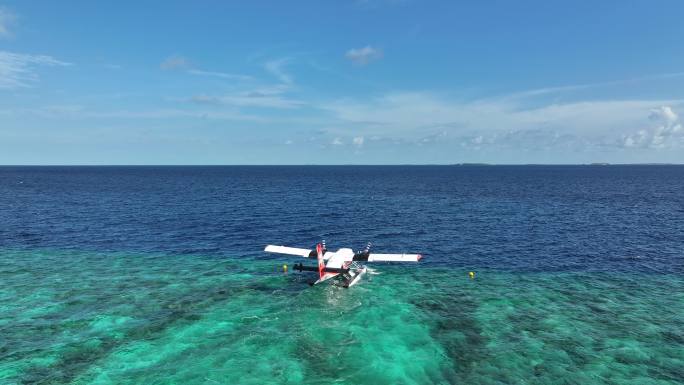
{"points": [[321, 262]]}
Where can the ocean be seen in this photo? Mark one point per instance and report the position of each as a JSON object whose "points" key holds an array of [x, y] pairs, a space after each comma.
{"points": [[157, 275]]}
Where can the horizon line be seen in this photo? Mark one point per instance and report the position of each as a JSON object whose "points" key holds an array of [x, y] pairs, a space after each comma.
{"points": [[467, 164]]}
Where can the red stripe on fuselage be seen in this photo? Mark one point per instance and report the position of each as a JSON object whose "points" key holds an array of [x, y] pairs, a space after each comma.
{"points": [[321, 263]]}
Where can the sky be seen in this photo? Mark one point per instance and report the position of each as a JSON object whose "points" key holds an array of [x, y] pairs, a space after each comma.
{"points": [[341, 82]]}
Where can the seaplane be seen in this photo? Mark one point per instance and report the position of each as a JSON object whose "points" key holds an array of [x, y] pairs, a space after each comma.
{"points": [[344, 264]]}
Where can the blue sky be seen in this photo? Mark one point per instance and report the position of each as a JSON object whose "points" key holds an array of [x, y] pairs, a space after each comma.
{"points": [[339, 82]]}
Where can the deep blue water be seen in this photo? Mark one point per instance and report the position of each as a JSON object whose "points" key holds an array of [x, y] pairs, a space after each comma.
{"points": [[530, 218]]}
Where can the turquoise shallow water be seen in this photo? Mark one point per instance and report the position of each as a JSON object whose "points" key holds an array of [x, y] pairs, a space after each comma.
{"points": [[78, 317]]}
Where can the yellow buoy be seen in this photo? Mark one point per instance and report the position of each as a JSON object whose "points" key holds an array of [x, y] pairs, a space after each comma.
{"points": [[471, 275], [284, 268]]}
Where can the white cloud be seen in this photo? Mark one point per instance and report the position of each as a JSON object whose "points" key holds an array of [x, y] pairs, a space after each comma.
{"points": [[80, 112], [525, 140], [18, 70], [272, 96], [275, 68], [174, 62], [363, 56], [7, 19], [340, 141], [177, 62], [222, 75], [664, 114], [667, 132], [260, 97], [424, 117], [587, 86]]}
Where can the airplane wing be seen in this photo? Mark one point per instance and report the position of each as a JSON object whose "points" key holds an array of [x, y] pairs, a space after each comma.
{"points": [[387, 257], [290, 251]]}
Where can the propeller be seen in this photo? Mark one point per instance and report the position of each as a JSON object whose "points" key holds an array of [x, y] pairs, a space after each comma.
{"points": [[363, 255], [368, 247]]}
